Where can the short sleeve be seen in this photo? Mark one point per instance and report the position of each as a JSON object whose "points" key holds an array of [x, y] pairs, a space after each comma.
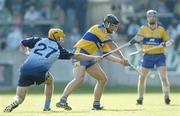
{"points": [[30, 42], [105, 48], [141, 31], [64, 54], [165, 35], [107, 41]]}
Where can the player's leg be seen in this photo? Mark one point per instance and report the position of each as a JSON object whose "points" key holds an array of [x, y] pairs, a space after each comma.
{"points": [[23, 84], [147, 63], [162, 71], [78, 72], [96, 72], [18, 99], [142, 85], [48, 90]]}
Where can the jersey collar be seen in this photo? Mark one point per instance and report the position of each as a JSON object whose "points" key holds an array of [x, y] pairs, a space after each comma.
{"points": [[151, 27]]}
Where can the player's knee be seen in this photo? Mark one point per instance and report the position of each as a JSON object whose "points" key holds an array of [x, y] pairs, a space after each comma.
{"points": [[142, 78], [164, 80], [49, 80], [78, 80], [103, 79]]}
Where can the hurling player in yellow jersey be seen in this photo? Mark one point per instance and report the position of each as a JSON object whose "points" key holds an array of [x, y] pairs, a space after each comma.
{"points": [[94, 40], [152, 35]]}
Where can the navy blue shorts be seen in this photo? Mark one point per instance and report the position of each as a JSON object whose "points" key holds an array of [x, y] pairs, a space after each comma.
{"points": [[86, 64], [27, 80], [153, 60]]}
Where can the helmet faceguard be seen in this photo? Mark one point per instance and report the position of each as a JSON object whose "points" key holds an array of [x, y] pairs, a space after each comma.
{"points": [[151, 16]]}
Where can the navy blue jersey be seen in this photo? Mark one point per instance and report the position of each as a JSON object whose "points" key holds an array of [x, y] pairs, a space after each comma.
{"points": [[44, 52]]}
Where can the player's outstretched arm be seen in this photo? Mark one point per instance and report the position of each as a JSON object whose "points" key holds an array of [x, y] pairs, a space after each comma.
{"points": [[80, 56], [117, 60], [136, 39], [113, 46]]}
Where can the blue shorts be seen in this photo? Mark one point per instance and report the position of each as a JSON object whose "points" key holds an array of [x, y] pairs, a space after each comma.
{"points": [[26, 80], [153, 60], [86, 64]]}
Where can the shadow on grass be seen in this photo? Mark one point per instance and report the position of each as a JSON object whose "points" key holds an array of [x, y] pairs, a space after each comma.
{"points": [[174, 105], [86, 88], [51, 112], [82, 111], [123, 110]]}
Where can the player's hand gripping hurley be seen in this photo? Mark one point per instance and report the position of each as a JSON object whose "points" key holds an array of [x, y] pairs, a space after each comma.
{"points": [[120, 47], [153, 48]]}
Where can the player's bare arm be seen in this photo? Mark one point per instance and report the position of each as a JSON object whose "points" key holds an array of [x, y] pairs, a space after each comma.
{"points": [[167, 43], [80, 56], [116, 59], [138, 38], [113, 46]]}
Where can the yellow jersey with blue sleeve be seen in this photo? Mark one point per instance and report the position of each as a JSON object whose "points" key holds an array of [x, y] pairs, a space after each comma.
{"points": [[153, 37], [96, 38]]}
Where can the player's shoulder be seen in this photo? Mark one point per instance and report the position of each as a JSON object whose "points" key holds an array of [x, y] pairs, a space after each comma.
{"points": [[33, 39], [161, 27], [143, 27], [100, 27]]}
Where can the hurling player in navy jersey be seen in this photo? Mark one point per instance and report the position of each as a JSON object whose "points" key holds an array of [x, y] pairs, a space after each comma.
{"points": [[35, 70]]}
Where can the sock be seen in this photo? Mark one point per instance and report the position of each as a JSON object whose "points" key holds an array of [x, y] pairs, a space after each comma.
{"points": [[166, 91], [96, 104], [47, 104], [63, 100], [17, 99], [140, 98], [166, 97]]}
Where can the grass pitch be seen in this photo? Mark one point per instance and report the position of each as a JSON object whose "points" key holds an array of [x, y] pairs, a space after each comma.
{"points": [[115, 103]]}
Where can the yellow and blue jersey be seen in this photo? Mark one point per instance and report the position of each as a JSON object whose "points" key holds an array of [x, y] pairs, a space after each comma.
{"points": [[153, 37], [96, 38]]}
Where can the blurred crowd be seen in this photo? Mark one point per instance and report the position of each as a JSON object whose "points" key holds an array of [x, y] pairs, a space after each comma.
{"points": [[23, 18]]}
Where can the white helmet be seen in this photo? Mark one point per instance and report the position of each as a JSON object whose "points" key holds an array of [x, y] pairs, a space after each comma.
{"points": [[151, 13]]}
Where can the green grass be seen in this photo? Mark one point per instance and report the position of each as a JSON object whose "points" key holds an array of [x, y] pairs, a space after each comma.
{"points": [[118, 101], [85, 88]]}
